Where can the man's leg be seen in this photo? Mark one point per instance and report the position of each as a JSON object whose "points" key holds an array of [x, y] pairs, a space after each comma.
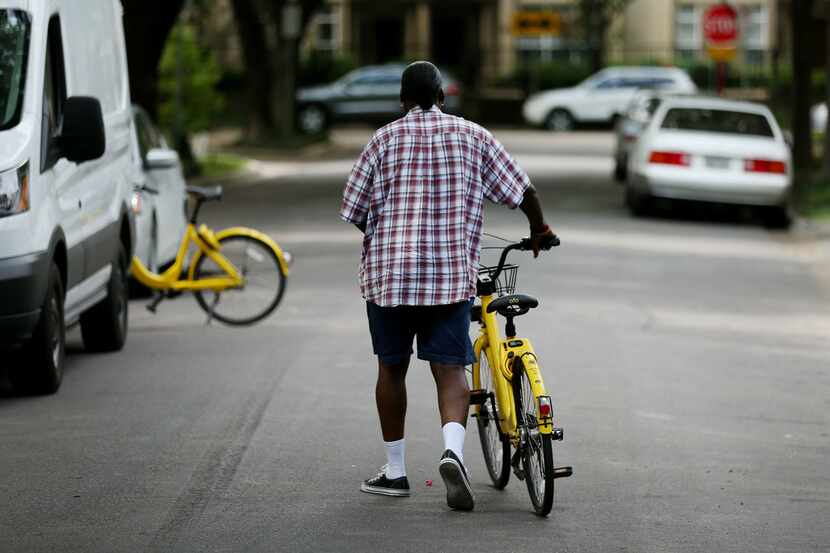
{"points": [[454, 405], [390, 396], [453, 392]]}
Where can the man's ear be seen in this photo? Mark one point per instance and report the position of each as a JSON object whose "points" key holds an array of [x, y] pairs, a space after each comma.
{"points": [[441, 96]]}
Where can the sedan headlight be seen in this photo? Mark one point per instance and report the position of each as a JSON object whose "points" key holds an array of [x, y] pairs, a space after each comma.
{"points": [[14, 191]]}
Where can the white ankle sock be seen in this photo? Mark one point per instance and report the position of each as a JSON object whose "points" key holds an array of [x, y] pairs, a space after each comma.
{"points": [[454, 438], [395, 467]]}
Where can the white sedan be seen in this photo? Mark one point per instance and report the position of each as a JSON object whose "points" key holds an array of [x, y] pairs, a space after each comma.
{"points": [[159, 200], [709, 149]]}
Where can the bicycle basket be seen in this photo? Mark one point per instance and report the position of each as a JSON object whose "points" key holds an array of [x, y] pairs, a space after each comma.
{"points": [[506, 283]]}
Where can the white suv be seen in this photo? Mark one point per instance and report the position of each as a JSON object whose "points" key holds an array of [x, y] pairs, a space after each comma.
{"points": [[66, 231], [602, 97]]}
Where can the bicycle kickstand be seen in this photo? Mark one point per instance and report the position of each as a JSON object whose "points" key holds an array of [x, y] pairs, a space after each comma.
{"points": [[212, 308], [158, 297]]}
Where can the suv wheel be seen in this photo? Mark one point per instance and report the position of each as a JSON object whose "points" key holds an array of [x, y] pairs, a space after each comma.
{"points": [[559, 120], [39, 367], [104, 326], [312, 119]]}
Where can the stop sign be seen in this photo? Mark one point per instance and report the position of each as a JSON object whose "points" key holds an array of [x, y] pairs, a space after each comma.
{"points": [[720, 24]]}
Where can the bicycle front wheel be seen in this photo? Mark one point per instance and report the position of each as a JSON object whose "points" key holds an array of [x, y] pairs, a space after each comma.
{"points": [[537, 453], [263, 281], [494, 445]]}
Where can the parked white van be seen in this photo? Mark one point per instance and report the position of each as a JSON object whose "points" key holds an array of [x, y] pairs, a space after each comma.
{"points": [[65, 183]]}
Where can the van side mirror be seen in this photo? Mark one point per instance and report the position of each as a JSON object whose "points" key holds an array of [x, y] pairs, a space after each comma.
{"points": [[161, 158], [82, 137]]}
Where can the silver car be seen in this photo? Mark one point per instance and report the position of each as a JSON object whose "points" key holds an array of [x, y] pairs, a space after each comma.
{"points": [[370, 93], [630, 125]]}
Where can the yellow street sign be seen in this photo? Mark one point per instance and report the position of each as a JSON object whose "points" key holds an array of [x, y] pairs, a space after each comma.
{"points": [[722, 53], [536, 23]]}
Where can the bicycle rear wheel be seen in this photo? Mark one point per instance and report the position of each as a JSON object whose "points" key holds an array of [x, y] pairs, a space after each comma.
{"points": [[261, 291], [494, 445], [537, 454]]}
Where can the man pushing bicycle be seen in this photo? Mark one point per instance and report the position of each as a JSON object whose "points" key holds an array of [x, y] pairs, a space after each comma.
{"points": [[417, 193]]}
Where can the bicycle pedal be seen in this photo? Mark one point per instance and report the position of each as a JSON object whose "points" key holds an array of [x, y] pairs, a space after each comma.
{"points": [[516, 463], [478, 397], [558, 434], [563, 472]]}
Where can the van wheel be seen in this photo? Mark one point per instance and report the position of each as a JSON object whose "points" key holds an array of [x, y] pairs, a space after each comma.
{"points": [[40, 364], [312, 119], [104, 326]]}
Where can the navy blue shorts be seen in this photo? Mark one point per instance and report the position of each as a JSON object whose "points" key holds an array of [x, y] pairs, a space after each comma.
{"points": [[443, 332]]}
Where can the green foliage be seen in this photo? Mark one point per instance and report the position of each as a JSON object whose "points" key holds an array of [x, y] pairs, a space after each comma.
{"points": [[323, 68], [220, 165], [544, 76], [201, 103], [815, 199]]}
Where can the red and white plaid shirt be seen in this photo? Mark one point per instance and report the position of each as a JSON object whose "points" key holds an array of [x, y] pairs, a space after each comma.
{"points": [[419, 186]]}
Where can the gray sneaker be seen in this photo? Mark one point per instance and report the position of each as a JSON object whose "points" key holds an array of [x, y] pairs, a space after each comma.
{"points": [[459, 491]]}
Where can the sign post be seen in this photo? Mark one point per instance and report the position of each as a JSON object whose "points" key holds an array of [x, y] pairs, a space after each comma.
{"points": [[720, 29]]}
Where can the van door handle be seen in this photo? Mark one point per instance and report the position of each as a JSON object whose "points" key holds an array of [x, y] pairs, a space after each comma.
{"points": [[80, 205]]}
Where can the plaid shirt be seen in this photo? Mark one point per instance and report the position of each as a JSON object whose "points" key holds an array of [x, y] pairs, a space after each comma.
{"points": [[419, 186]]}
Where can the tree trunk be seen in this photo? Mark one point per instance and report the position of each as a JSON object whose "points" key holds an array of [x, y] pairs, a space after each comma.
{"points": [[826, 158], [800, 15], [146, 28], [259, 72]]}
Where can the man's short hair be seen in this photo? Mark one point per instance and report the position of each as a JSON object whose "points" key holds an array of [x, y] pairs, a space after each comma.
{"points": [[421, 84]]}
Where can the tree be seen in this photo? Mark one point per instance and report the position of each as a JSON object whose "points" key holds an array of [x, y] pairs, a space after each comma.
{"points": [[146, 28], [271, 58], [596, 16], [800, 20]]}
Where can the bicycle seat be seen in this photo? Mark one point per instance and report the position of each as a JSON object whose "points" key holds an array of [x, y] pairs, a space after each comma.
{"points": [[512, 305], [205, 194]]}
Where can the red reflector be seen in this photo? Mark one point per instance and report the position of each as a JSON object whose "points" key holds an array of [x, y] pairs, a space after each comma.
{"points": [[765, 166], [452, 90], [670, 158], [544, 407]]}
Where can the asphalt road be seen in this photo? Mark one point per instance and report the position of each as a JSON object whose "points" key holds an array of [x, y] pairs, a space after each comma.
{"points": [[687, 355]]}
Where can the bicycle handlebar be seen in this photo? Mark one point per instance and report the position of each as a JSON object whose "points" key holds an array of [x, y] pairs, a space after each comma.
{"points": [[524, 245]]}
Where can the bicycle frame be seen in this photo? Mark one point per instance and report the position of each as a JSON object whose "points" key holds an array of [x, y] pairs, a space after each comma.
{"points": [[501, 359], [207, 243]]}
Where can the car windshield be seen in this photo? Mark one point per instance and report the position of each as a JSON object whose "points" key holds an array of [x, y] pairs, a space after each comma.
{"points": [[14, 45], [717, 121]]}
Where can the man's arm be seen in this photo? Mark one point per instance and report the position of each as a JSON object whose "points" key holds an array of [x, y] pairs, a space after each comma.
{"points": [[532, 208]]}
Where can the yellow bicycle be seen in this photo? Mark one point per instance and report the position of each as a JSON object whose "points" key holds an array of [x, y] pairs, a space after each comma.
{"points": [[511, 405], [237, 274]]}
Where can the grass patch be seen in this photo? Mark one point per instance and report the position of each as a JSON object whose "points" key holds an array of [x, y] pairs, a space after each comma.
{"points": [[219, 165], [816, 200]]}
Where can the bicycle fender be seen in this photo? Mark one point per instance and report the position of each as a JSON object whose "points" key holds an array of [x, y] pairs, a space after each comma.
{"points": [[244, 231]]}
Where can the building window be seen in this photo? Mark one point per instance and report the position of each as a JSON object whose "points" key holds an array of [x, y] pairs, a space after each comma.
{"points": [[754, 22], [325, 30], [688, 35]]}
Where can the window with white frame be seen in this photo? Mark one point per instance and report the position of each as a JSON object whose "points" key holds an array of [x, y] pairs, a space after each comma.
{"points": [[688, 35], [754, 25], [325, 28]]}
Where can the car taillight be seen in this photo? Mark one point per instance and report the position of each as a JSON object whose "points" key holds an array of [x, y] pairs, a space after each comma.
{"points": [[670, 158], [452, 90], [765, 166]]}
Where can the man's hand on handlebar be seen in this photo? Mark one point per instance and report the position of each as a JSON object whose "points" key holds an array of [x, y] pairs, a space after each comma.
{"points": [[542, 239]]}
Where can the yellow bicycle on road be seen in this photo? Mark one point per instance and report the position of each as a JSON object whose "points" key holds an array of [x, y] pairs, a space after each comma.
{"points": [[237, 274], [512, 406]]}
